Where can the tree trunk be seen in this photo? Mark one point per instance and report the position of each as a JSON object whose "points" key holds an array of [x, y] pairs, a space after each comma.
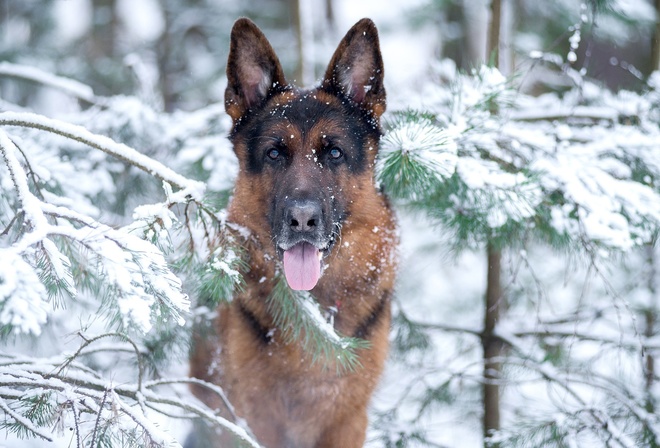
{"points": [[104, 29], [492, 347], [650, 322], [303, 17], [494, 30], [330, 14], [650, 314], [164, 49], [655, 44]]}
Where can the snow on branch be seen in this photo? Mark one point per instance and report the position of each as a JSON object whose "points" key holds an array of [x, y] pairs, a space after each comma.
{"points": [[69, 86], [579, 168], [144, 287], [298, 317], [191, 188], [60, 390]]}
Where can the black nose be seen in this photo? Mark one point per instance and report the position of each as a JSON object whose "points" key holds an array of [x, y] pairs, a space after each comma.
{"points": [[303, 215]]}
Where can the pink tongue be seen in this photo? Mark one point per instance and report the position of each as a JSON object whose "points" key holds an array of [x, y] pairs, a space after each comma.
{"points": [[302, 266]]}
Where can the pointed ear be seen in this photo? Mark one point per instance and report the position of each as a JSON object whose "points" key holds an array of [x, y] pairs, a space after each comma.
{"points": [[253, 69], [356, 69]]}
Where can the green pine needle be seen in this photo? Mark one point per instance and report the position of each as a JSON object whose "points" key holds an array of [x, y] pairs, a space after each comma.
{"points": [[416, 155], [298, 316]]}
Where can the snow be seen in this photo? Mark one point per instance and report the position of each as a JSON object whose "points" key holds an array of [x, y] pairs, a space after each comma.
{"points": [[223, 260], [105, 144], [23, 298], [427, 145], [501, 195], [136, 269], [142, 18], [313, 311], [41, 77], [77, 14], [61, 266]]}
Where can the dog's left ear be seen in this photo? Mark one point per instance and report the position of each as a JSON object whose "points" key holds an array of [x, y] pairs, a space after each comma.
{"points": [[253, 69], [356, 69]]}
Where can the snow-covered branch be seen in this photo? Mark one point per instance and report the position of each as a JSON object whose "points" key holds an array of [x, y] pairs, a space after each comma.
{"points": [[41, 379], [191, 188], [67, 85]]}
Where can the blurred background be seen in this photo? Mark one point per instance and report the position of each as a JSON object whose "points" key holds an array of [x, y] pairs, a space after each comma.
{"points": [[175, 51]]}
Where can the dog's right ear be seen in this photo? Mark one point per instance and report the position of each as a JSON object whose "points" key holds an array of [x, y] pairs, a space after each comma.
{"points": [[253, 69]]}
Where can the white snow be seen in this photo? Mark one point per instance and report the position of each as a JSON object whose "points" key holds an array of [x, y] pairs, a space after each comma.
{"points": [[313, 311], [425, 144], [67, 85], [23, 298], [223, 260], [105, 144]]}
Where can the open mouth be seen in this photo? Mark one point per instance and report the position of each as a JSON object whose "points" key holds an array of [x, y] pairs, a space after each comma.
{"points": [[302, 265]]}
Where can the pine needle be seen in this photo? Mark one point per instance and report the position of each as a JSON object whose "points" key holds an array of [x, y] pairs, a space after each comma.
{"points": [[298, 316]]}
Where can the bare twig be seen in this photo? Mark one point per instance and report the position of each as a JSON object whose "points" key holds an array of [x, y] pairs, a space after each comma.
{"points": [[210, 386], [11, 223], [98, 417], [107, 335], [76, 420]]}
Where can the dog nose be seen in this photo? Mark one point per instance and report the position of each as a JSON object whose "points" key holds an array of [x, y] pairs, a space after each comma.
{"points": [[304, 215]]}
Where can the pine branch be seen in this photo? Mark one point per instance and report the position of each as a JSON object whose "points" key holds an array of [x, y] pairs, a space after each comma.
{"points": [[299, 319], [160, 286], [27, 424], [415, 156]]}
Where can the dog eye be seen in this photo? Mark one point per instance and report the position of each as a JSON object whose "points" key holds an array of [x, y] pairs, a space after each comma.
{"points": [[336, 153], [273, 153]]}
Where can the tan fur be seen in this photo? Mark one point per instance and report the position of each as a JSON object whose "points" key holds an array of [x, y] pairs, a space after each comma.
{"points": [[286, 400]]}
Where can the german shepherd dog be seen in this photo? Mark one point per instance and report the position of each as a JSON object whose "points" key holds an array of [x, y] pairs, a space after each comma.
{"points": [[306, 193]]}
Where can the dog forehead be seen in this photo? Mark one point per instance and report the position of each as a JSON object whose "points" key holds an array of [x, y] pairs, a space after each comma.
{"points": [[304, 112]]}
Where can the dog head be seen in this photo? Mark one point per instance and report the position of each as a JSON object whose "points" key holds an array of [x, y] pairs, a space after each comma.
{"points": [[304, 155]]}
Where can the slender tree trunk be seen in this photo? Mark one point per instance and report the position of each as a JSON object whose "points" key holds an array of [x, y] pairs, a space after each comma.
{"points": [[650, 314], [494, 300], [303, 17], [492, 347], [164, 49], [650, 318], [104, 29], [494, 32], [655, 44], [330, 14]]}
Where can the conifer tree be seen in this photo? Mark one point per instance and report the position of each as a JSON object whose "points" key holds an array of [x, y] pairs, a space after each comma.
{"points": [[497, 169]]}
